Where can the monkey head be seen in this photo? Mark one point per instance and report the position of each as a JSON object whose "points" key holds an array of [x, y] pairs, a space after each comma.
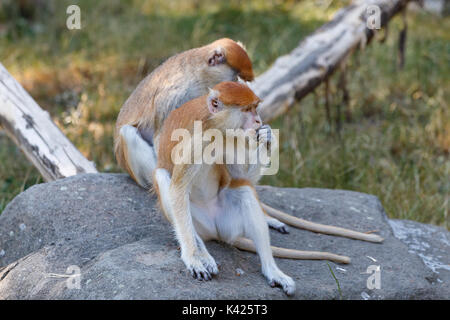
{"points": [[227, 60], [233, 106]]}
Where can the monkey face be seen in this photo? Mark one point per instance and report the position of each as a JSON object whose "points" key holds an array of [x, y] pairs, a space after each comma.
{"points": [[251, 119], [235, 103], [234, 117]]}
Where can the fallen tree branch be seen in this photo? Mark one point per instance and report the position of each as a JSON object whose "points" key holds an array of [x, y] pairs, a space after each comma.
{"points": [[32, 129], [295, 75]]}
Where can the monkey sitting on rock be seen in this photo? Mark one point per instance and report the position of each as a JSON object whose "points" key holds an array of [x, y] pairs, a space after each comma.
{"points": [[204, 81]]}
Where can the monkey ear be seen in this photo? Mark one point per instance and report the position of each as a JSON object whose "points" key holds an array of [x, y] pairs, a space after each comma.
{"points": [[214, 104], [217, 57], [240, 44]]}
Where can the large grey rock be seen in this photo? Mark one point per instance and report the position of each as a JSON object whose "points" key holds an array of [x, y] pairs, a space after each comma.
{"points": [[113, 232], [430, 243]]}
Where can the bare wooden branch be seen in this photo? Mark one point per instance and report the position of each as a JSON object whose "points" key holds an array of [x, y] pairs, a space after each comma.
{"points": [[295, 75], [32, 129]]}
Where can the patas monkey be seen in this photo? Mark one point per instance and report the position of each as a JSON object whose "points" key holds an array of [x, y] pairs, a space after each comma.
{"points": [[181, 78], [217, 200], [178, 80], [204, 201]]}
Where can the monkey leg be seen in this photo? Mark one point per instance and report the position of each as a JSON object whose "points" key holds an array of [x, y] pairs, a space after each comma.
{"points": [[248, 245], [193, 251], [139, 155], [241, 215], [319, 228]]}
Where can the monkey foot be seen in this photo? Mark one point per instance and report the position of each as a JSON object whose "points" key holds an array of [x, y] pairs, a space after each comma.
{"points": [[200, 274], [210, 265], [277, 225], [202, 268], [283, 281], [282, 229]]}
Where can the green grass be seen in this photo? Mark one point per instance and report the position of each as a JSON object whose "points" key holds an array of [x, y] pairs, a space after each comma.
{"points": [[396, 144], [337, 281]]}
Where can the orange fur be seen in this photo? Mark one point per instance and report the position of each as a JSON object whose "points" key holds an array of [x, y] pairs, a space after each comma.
{"points": [[159, 93], [223, 176], [155, 190], [237, 58], [124, 160], [236, 94], [231, 94], [183, 117], [236, 183]]}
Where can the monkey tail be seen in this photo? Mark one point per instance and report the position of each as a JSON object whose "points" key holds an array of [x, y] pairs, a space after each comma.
{"points": [[319, 228], [247, 245]]}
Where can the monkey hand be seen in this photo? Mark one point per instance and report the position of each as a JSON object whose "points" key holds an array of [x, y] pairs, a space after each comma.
{"points": [[265, 136]]}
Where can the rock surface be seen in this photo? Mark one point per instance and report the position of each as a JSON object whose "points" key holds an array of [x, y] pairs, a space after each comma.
{"points": [[100, 236], [430, 243]]}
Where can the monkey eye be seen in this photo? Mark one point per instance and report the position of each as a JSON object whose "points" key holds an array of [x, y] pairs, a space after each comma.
{"points": [[250, 108], [214, 103]]}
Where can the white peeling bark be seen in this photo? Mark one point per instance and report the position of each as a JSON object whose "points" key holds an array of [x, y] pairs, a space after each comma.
{"points": [[298, 73], [32, 129]]}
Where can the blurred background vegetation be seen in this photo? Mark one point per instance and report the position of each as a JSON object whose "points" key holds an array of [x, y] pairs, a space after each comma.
{"points": [[394, 136]]}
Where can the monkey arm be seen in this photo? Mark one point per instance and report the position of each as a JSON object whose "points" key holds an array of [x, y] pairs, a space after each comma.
{"points": [[179, 209], [198, 261]]}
